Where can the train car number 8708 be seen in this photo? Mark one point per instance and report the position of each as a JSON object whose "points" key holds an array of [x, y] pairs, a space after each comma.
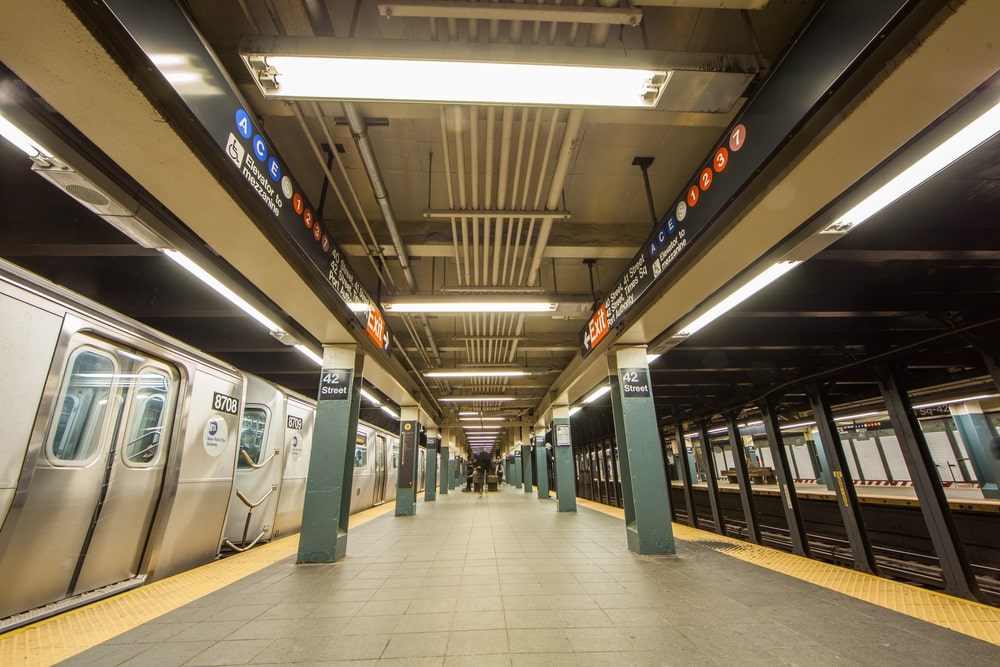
{"points": [[224, 403]]}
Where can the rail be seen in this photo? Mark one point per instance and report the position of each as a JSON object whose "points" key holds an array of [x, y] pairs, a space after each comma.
{"points": [[257, 466], [251, 506]]}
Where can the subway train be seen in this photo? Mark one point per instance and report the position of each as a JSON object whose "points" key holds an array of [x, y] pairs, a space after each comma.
{"points": [[128, 456]]}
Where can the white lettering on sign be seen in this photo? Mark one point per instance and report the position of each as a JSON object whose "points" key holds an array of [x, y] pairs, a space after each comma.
{"points": [[224, 403], [334, 385], [634, 382]]}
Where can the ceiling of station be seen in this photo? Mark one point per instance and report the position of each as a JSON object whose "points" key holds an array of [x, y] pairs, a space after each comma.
{"points": [[920, 280]]}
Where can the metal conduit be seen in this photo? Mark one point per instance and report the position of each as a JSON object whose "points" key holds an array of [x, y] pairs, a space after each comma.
{"points": [[360, 133], [451, 193], [505, 139], [387, 278], [314, 145], [474, 159]]}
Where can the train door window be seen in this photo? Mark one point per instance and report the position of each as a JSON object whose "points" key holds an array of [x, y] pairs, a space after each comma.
{"points": [[252, 432], [148, 421], [84, 399], [361, 452]]}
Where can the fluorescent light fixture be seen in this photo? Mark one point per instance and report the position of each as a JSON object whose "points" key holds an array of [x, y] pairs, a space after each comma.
{"points": [[459, 306], [461, 82], [367, 395], [650, 358], [954, 400], [19, 138], [485, 373], [389, 411], [748, 289], [310, 354], [951, 149], [471, 399], [480, 419], [573, 410], [597, 393], [203, 275]]}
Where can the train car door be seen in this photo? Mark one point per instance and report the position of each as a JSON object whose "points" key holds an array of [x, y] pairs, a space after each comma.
{"points": [[379, 483], [89, 487], [253, 504]]}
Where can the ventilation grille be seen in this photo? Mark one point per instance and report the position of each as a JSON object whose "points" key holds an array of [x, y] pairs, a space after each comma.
{"points": [[88, 195]]}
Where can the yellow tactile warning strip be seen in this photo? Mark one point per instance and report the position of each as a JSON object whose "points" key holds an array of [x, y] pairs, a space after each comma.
{"points": [[51, 640], [964, 616]]}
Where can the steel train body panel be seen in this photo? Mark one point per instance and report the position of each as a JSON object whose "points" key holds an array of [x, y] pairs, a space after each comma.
{"points": [[300, 415], [120, 456], [254, 499], [106, 448]]}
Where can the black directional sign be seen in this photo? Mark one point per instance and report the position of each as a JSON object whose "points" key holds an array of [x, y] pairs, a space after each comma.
{"points": [[165, 34], [335, 384], [838, 35]]}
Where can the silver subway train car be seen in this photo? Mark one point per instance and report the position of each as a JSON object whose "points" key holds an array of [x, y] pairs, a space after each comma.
{"points": [[127, 456]]}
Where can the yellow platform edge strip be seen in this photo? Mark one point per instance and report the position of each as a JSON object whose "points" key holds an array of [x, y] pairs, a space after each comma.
{"points": [[54, 639], [964, 616]]}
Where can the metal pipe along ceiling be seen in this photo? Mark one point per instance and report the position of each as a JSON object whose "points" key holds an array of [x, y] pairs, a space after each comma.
{"points": [[359, 131]]}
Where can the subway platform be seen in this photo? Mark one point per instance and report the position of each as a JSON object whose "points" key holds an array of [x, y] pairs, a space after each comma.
{"points": [[504, 579]]}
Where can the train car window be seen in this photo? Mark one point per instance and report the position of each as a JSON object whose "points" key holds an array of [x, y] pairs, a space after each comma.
{"points": [[147, 423], [395, 455], [361, 452], [252, 434], [83, 402]]}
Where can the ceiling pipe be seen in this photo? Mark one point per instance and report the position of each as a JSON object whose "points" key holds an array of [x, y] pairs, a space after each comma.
{"points": [[359, 131], [567, 151]]}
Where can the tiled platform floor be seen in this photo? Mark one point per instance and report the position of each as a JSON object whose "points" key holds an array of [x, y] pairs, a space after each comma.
{"points": [[506, 580]]}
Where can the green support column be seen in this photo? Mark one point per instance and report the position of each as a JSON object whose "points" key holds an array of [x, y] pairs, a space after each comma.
{"points": [[445, 454], [526, 461], [518, 468], [644, 483], [542, 465], [327, 505], [562, 451], [430, 472], [406, 478]]}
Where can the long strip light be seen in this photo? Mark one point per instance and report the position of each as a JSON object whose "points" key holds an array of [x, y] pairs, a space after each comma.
{"points": [[367, 395], [597, 393], [19, 138], [462, 82], [747, 290], [473, 373], [205, 277], [471, 399], [309, 354], [951, 149], [459, 306], [481, 419]]}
